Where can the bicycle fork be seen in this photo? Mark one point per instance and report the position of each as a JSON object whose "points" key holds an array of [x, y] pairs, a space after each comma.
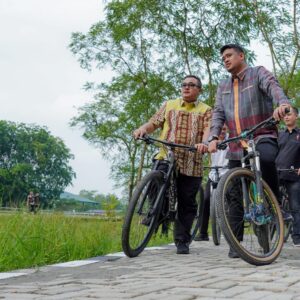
{"points": [[254, 210]]}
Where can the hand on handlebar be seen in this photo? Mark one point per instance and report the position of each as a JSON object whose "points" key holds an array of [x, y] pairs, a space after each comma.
{"points": [[139, 133], [281, 111], [212, 146], [202, 148]]}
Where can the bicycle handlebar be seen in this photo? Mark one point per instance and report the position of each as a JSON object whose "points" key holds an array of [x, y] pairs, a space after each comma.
{"points": [[288, 170], [216, 167], [247, 132], [150, 140]]}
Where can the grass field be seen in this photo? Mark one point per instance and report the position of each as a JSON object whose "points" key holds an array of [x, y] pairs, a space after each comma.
{"points": [[35, 240]]}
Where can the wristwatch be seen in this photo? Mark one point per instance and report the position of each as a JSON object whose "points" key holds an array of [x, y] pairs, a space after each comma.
{"points": [[212, 137]]}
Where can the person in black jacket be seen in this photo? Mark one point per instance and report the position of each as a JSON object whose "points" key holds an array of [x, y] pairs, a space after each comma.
{"points": [[289, 158]]}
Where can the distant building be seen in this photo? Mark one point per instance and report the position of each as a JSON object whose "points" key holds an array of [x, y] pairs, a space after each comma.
{"points": [[66, 196]]}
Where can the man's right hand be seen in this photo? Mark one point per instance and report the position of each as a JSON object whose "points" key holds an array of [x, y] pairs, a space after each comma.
{"points": [[139, 133], [212, 146]]}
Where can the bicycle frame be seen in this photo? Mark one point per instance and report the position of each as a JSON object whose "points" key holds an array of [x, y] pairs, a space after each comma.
{"points": [[253, 209], [168, 175]]}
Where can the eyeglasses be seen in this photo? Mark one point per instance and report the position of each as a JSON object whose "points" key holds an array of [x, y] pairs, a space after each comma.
{"points": [[189, 85]]}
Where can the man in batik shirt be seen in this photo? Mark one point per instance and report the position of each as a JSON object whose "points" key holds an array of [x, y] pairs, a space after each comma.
{"points": [[185, 120]]}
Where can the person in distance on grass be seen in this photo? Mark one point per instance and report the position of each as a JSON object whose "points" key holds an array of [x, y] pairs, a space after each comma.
{"points": [[31, 202], [185, 120]]}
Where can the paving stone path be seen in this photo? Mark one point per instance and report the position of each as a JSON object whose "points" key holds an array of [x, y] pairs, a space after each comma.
{"points": [[207, 273]]}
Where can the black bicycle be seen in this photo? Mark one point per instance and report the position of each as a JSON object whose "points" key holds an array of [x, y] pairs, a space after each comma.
{"points": [[154, 202], [248, 210]]}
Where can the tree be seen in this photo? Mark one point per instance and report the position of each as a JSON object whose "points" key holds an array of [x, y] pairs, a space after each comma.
{"points": [[110, 204], [277, 23], [131, 96], [150, 46], [32, 159], [88, 194]]}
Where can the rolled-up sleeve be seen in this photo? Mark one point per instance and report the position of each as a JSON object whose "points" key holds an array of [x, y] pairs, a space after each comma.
{"points": [[269, 85], [218, 115], [158, 118]]}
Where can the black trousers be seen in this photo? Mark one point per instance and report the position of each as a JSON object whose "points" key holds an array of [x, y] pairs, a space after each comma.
{"points": [[268, 149], [187, 188]]}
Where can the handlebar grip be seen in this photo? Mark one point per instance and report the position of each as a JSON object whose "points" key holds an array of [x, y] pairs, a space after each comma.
{"points": [[144, 137], [192, 149], [222, 146]]}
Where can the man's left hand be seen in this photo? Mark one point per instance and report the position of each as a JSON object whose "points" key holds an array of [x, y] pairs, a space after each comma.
{"points": [[299, 171], [279, 112], [202, 148]]}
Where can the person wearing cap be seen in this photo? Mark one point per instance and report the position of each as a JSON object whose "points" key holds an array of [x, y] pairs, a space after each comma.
{"points": [[185, 120], [243, 100]]}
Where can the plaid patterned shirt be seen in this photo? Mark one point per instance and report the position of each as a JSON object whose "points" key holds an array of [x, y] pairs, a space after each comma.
{"points": [[245, 101], [183, 123]]}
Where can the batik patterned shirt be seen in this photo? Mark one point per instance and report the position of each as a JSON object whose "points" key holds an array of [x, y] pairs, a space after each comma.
{"points": [[183, 123]]}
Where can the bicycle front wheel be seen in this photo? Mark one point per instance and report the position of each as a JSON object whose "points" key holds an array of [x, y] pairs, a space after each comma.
{"points": [[197, 219], [215, 227], [253, 227], [142, 214]]}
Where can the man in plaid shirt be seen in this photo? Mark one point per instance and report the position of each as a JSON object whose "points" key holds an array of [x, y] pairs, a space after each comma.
{"points": [[243, 100]]}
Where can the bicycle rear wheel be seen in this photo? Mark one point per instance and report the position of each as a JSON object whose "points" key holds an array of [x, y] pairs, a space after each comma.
{"points": [[142, 214], [252, 227], [197, 219], [215, 227]]}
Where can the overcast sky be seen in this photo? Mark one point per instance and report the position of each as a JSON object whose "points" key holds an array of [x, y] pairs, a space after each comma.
{"points": [[41, 81]]}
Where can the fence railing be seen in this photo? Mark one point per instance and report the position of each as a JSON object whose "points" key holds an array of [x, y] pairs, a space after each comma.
{"points": [[101, 214]]}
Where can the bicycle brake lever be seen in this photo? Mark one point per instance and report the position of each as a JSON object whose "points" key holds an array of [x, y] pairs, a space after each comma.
{"points": [[222, 146], [272, 122], [146, 139]]}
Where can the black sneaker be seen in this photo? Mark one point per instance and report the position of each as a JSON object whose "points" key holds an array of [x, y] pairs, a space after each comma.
{"points": [[182, 248], [287, 217], [232, 253], [201, 237], [296, 243]]}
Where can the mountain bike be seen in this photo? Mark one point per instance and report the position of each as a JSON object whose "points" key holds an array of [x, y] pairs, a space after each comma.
{"points": [[215, 226], [154, 202], [249, 214]]}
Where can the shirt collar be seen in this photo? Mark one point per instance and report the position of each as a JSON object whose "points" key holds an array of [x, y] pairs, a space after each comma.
{"points": [[195, 103], [296, 129], [241, 75]]}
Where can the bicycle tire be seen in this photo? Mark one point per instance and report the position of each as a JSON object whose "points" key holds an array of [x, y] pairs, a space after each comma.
{"points": [[147, 194], [287, 224], [215, 227], [258, 254], [197, 219]]}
